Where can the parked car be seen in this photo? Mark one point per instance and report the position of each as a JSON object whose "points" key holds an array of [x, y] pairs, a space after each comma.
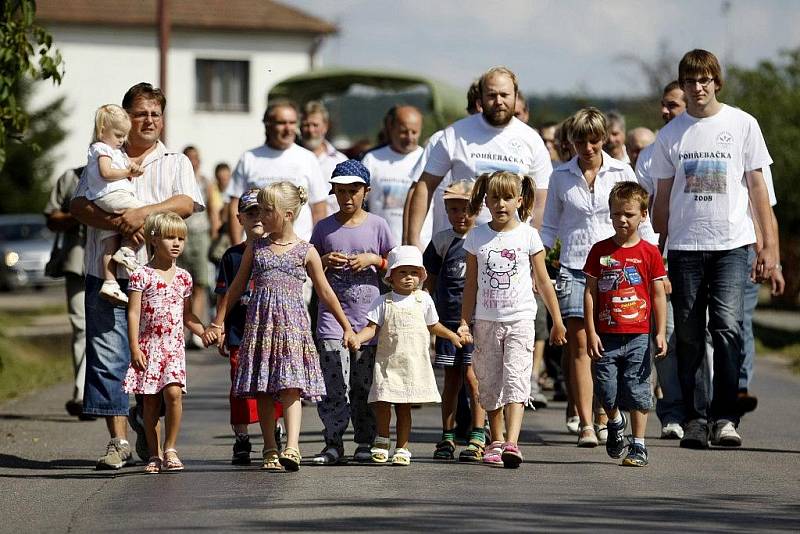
{"points": [[25, 244]]}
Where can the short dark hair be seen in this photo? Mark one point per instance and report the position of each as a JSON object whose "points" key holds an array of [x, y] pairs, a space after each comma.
{"points": [[221, 167], [671, 86], [146, 91], [698, 62]]}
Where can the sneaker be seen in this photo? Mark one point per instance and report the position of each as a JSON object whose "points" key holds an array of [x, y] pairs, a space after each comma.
{"points": [[111, 291], [672, 431], [573, 424], [511, 457], [494, 454], [330, 455], [695, 435], [637, 455], [363, 453], [118, 454], [141, 440], [601, 431], [127, 258], [725, 434], [615, 444], [587, 438], [241, 450]]}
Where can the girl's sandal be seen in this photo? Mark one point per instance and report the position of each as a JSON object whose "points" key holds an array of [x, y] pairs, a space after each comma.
{"points": [[380, 455], [271, 461], [153, 466], [473, 452], [290, 459], [444, 450], [402, 457], [171, 461]]}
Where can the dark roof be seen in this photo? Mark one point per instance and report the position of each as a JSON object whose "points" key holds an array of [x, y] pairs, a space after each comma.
{"points": [[247, 15]]}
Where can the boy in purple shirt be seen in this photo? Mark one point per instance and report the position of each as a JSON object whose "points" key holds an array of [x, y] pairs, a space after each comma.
{"points": [[352, 244]]}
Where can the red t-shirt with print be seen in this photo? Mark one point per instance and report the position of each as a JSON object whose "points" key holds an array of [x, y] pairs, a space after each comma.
{"points": [[624, 275]]}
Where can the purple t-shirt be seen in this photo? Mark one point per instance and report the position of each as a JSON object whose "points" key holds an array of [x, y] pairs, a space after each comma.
{"points": [[355, 290]]}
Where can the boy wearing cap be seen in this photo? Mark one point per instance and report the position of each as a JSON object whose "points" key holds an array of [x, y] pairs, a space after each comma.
{"points": [[403, 320], [445, 260], [352, 244]]}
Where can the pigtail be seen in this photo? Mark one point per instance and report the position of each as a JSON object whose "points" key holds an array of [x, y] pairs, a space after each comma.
{"points": [[478, 194], [302, 195], [528, 197]]}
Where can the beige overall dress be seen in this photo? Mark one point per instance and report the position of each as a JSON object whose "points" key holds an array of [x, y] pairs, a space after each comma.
{"points": [[403, 372]]}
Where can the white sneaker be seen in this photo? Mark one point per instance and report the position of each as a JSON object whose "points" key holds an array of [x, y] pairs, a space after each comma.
{"points": [[126, 257], [113, 293], [573, 423], [672, 431], [725, 434]]}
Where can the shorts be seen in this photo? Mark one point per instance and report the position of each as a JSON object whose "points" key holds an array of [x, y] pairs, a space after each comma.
{"points": [[448, 355], [541, 332], [503, 361], [116, 202], [622, 375], [569, 290], [195, 257]]}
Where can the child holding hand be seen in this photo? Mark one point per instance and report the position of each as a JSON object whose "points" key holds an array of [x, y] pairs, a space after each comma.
{"points": [[403, 320]]}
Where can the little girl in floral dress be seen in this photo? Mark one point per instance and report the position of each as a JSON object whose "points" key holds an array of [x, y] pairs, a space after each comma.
{"points": [[277, 356], [158, 308]]}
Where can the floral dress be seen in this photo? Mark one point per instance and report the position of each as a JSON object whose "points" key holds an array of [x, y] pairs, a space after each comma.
{"points": [[160, 331], [277, 351]]}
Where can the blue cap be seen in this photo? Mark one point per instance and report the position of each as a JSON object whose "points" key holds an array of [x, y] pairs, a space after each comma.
{"points": [[248, 200], [350, 172]]}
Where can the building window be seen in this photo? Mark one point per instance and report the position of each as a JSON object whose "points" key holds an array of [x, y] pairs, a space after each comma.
{"points": [[222, 85]]}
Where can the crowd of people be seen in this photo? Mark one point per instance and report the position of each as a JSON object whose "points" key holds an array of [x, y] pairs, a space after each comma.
{"points": [[521, 252]]}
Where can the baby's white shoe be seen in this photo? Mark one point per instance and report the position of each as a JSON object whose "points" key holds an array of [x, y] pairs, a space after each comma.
{"points": [[113, 293], [126, 257]]}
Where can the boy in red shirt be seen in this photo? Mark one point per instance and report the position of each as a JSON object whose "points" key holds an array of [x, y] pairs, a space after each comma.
{"points": [[624, 282]]}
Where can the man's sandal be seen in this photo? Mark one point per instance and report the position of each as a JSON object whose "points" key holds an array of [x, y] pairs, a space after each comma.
{"points": [[444, 450], [271, 462], [473, 452], [171, 461], [153, 466], [290, 459]]}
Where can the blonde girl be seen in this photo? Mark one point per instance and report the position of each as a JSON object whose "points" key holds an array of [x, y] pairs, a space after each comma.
{"points": [[504, 257], [157, 312]]}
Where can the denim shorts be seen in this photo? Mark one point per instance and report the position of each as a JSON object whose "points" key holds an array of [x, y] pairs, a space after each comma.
{"points": [[622, 375], [107, 353], [570, 284], [541, 333]]}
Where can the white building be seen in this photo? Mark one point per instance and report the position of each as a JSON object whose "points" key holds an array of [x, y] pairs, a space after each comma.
{"points": [[224, 56]]}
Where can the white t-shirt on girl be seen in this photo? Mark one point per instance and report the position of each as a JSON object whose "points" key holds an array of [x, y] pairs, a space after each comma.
{"points": [[505, 288], [97, 186], [709, 204], [377, 310]]}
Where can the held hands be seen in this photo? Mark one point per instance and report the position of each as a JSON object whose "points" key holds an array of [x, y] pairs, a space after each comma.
{"points": [[661, 346], [594, 347], [558, 334], [138, 361], [455, 339], [211, 335], [350, 340], [464, 334]]}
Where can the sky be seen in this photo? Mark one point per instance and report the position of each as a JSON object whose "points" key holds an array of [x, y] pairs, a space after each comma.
{"points": [[554, 46]]}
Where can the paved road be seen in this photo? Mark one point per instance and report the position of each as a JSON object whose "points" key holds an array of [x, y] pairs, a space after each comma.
{"points": [[48, 481]]}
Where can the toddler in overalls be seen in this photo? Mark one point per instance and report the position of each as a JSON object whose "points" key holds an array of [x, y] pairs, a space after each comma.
{"points": [[403, 319]]}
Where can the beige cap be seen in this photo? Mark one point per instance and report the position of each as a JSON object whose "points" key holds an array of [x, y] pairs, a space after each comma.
{"points": [[461, 190]]}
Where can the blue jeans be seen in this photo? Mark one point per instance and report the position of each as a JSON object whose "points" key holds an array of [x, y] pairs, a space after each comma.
{"points": [[107, 353], [712, 281], [622, 375], [750, 303]]}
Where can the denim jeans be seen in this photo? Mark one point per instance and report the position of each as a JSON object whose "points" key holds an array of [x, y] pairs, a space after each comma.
{"points": [[622, 375], [107, 353], [712, 281], [750, 303]]}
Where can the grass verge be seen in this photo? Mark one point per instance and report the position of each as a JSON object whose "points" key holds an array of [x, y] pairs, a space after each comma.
{"points": [[783, 343]]}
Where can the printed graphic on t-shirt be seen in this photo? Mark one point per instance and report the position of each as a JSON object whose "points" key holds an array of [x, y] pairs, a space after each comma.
{"points": [[501, 265], [455, 269], [482, 166], [394, 193], [705, 175], [620, 305]]}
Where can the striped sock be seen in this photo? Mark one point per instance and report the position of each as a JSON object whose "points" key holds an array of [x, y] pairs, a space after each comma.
{"points": [[449, 435], [477, 434]]}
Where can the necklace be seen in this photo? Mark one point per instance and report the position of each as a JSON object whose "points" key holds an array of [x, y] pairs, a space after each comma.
{"points": [[282, 244]]}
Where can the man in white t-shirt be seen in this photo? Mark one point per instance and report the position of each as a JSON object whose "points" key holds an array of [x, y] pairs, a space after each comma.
{"points": [[313, 129], [490, 141], [279, 159], [390, 169], [711, 189]]}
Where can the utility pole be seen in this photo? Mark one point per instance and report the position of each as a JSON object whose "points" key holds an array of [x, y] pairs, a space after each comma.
{"points": [[163, 50]]}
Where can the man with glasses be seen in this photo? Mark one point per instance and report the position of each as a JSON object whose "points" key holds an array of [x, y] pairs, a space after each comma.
{"points": [[711, 190], [168, 184]]}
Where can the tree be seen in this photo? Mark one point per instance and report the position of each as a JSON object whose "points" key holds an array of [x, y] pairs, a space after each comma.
{"points": [[26, 50], [771, 93]]}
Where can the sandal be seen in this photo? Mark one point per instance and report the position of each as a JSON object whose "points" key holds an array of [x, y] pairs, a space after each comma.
{"points": [[444, 450], [473, 452], [290, 459], [587, 437], [153, 466], [511, 456], [380, 450], [171, 461], [330, 455], [402, 457], [271, 461]]}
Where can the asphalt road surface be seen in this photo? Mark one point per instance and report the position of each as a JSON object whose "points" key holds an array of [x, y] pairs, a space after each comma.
{"points": [[48, 481]]}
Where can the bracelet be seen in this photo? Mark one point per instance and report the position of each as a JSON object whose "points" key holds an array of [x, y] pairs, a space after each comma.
{"points": [[212, 325], [778, 267], [384, 263]]}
